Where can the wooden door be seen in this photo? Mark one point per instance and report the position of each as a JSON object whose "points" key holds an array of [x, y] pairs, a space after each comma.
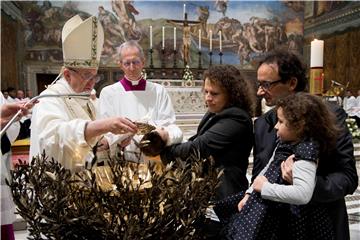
{"points": [[44, 79]]}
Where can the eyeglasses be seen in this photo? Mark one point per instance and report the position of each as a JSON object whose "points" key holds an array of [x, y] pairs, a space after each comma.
{"points": [[89, 76], [266, 85], [135, 62]]}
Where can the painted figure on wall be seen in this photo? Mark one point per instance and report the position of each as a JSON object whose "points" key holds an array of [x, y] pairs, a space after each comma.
{"points": [[248, 29], [110, 23], [125, 11], [114, 34], [221, 6], [203, 12]]}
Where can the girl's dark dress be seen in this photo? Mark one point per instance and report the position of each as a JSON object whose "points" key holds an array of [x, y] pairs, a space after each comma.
{"points": [[265, 219]]}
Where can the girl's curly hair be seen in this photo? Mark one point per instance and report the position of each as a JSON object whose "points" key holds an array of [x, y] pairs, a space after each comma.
{"points": [[240, 92], [310, 117]]}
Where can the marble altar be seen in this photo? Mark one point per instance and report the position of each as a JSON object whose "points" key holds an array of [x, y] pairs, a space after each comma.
{"points": [[186, 96]]}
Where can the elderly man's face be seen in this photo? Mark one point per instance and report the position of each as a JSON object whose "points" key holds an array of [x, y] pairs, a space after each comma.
{"points": [[131, 63], [81, 80]]}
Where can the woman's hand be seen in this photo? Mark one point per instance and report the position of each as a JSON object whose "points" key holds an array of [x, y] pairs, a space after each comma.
{"points": [[259, 183], [243, 201]]}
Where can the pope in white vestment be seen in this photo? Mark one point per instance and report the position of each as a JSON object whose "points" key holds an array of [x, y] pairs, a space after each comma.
{"points": [[65, 128], [58, 127], [137, 99]]}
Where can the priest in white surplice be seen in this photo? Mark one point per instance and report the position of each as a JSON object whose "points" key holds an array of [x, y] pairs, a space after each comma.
{"points": [[137, 99], [66, 127]]}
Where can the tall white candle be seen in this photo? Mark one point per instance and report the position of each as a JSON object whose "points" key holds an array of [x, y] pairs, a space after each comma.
{"points": [[174, 38], [210, 32], [220, 41], [317, 53], [199, 39], [163, 37], [184, 10], [151, 44]]}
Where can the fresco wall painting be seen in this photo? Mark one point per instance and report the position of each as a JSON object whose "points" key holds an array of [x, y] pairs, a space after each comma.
{"points": [[248, 29]]}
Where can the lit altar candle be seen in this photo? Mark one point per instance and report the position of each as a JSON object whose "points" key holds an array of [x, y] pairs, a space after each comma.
{"points": [[163, 37], [151, 37], [174, 38], [317, 53], [316, 83], [184, 10], [210, 32], [220, 41], [199, 39]]}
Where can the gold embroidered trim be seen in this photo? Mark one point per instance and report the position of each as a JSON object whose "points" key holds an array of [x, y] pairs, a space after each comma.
{"points": [[94, 39], [81, 63]]}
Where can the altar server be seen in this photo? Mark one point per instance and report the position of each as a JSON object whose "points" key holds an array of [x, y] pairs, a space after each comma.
{"points": [[137, 99], [65, 128]]}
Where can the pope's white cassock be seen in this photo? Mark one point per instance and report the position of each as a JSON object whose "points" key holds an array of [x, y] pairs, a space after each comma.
{"points": [[58, 126], [142, 101]]}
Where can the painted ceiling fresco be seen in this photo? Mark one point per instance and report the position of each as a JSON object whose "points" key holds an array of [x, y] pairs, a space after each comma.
{"points": [[248, 28]]}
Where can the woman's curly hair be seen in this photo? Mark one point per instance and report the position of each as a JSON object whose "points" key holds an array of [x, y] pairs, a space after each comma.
{"points": [[240, 92], [311, 118]]}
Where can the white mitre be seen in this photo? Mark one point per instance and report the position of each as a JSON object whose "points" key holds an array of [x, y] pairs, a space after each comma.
{"points": [[82, 42]]}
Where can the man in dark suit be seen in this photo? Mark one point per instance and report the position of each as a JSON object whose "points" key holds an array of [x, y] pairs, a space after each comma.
{"points": [[281, 74]]}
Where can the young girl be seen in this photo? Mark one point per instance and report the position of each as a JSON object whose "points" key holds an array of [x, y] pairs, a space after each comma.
{"points": [[273, 209]]}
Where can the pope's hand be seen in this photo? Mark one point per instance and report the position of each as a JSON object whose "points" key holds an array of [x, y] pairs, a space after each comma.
{"points": [[115, 125], [120, 125]]}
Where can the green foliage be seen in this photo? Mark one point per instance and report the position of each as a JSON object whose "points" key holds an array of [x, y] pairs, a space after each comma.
{"points": [[121, 201], [188, 75]]}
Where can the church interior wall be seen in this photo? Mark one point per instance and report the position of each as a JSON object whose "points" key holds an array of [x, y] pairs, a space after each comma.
{"points": [[9, 69], [341, 55], [38, 32], [243, 33], [338, 24]]}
